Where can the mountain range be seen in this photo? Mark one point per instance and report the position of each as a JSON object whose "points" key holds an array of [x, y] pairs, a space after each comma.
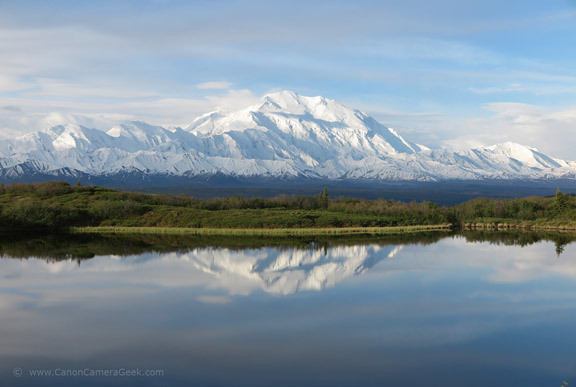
{"points": [[285, 136]]}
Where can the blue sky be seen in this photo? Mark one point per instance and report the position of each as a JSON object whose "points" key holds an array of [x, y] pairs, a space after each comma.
{"points": [[443, 73]]}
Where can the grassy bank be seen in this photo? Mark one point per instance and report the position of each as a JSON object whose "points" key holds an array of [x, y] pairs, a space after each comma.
{"points": [[511, 224], [278, 232]]}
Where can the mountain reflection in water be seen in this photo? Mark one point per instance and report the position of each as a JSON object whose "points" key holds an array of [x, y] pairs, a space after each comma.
{"points": [[475, 308], [286, 267]]}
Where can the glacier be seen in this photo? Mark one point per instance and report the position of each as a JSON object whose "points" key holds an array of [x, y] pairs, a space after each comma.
{"points": [[284, 136]]}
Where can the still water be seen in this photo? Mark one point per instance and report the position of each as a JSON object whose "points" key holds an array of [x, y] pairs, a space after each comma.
{"points": [[440, 310]]}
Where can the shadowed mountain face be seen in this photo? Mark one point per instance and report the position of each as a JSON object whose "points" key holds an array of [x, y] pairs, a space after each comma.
{"points": [[286, 136]]}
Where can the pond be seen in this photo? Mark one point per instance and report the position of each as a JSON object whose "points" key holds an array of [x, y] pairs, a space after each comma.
{"points": [[472, 309]]}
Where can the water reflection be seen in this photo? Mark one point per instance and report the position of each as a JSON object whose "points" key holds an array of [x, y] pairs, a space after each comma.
{"points": [[274, 270], [442, 310], [240, 266]]}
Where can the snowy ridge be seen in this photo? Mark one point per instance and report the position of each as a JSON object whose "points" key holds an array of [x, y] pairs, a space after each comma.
{"points": [[286, 136]]}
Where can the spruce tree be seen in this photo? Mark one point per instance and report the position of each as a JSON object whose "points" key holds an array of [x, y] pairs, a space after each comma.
{"points": [[560, 200]]}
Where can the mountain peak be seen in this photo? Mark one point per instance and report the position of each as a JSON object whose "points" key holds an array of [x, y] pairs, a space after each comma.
{"points": [[510, 146], [528, 156], [290, 123], [284, 95], [290, 102]]}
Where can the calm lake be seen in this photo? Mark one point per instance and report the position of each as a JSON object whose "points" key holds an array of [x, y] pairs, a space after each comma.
{"points": [[426, 310]]}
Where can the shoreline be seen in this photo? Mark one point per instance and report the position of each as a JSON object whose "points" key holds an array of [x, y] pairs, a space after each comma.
{"points": [[343, 231], [515, 226]]}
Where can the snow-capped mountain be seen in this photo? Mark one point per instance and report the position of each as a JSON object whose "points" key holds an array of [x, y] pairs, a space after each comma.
{"points": [[284, 136]]}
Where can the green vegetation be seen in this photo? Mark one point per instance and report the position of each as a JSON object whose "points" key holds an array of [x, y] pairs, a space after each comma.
{"points": [[557, 212], [273, 232], [53, 206]]}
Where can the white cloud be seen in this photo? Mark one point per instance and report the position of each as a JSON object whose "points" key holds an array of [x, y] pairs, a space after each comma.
{"points": [[426, 128], [213, 85], [432, 49], [551, 132], [532, 84], [11, 108], [14, 123], [11, 82], [233, 100], [59, 88], [515, 87], [19, 116]]}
